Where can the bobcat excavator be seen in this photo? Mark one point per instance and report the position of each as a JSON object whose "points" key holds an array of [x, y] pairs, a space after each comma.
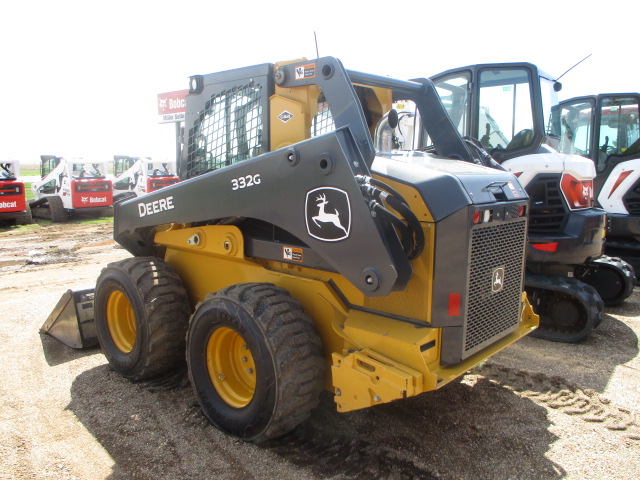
{"points": [[291, 257], [505, 108], [606, 129]]}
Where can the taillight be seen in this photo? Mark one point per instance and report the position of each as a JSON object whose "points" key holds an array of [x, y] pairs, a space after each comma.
{"points": [[578, 193], [482, 216], [546, 247], [454, 304]]}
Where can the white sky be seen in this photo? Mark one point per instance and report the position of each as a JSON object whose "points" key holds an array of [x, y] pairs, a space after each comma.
{"points": [[80, 78]]}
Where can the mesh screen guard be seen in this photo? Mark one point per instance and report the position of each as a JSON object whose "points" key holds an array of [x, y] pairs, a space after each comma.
{"points": [[229, 130]]}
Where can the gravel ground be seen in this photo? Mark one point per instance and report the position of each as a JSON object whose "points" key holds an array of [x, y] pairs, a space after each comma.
{"points": [[538, 410]]}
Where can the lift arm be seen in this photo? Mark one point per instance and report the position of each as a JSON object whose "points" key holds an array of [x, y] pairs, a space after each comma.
{"points": [[310, 190]]}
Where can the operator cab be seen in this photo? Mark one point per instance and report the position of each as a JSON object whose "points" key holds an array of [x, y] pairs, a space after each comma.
{"points": [[510, 107]]}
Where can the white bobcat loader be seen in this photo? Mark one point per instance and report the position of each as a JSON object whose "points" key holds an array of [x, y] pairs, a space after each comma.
{"points": [[135, 176], [71, 186]]}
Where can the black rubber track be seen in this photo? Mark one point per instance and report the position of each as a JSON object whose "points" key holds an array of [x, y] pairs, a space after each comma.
{"points": [[56, 210], [287, 353], [162, 310], [549, 294], [612, 277]]}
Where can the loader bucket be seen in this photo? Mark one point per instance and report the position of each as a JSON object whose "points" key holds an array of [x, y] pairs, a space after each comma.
{"points": [[71, 321]]}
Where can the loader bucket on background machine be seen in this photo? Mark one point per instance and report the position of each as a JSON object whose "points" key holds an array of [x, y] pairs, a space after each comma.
{"points": [[72, 321]]}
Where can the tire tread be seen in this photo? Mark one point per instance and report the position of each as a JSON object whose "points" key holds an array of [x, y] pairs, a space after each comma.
{"points": [[295, 348]]}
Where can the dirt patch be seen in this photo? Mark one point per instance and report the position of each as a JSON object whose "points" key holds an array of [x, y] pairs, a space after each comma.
{"points": [[538, 410]]}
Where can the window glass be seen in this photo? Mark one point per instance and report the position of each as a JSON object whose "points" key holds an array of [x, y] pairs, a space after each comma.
{"points": [[576, 122], [86, 170], [453, 93], [549, 104], [49, 187], [160, 169], [618, 126], [506, 113], [122, 184], [454, 97]]}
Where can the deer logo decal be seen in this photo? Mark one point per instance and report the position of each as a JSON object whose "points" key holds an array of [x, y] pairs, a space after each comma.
{"points": [[328, 214], [497, 279]]}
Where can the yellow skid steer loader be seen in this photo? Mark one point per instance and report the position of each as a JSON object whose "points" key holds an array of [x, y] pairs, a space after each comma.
{"points": [[292, 257]]}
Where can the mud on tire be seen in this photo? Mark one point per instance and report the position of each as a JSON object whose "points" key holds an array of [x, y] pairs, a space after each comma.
{"points": [[142, 313], [255, 361]]}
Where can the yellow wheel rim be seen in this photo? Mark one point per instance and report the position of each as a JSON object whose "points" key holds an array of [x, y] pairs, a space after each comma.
{"points": [[121, 321], [231, 367]]}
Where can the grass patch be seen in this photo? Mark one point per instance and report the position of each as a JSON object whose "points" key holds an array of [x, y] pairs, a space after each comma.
{"points": [[6, 227], [92, 221], [78, 220], [30, 172], [27, 190]]}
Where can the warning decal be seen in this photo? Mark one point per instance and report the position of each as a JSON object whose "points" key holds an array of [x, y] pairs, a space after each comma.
{"points": [[305, 71], [285, 116], [292, 253]]}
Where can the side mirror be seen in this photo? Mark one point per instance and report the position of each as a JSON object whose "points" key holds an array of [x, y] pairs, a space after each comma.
{"points": [[392, 118]]}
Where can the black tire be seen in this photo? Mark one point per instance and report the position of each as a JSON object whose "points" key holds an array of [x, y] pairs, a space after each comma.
{"points": [[56, 210], [142, 314], [255, 361]]}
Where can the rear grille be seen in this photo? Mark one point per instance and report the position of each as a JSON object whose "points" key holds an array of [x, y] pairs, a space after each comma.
{"points": [[157, 184], [631, 199], [547, 209], [493, 314], [86, 187], [11, 189]]}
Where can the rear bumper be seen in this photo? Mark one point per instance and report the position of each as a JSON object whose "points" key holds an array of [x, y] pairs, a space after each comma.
{"points": [[623, 225], [11, 215], [581, 240]]}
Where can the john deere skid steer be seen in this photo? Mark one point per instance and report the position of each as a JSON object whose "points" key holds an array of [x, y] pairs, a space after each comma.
{"points": [[292, 258]]}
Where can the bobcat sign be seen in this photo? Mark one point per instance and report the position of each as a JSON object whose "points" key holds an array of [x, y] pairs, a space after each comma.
{"points": [[172, 106]]}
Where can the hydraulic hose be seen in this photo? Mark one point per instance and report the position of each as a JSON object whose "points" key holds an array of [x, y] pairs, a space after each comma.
{"points": [[384, 199]]}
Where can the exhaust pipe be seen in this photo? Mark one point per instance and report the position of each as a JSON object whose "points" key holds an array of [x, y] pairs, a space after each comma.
{"points": [[71, 321]]}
